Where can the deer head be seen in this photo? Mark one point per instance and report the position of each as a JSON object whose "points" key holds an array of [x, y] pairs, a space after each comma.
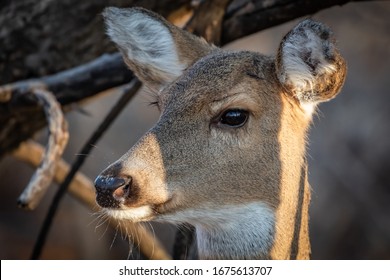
{"points": [[227, 154]]}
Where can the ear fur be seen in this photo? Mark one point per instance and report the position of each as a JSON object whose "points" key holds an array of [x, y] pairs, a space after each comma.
{"points": [[308, 64], [155, 50]]}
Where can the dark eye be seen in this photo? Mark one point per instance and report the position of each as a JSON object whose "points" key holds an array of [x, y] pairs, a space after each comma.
{"points": [[234, 118]]}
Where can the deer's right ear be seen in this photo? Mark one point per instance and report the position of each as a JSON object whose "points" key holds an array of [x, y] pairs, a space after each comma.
{"points": [[309, 66], [155, 50]]}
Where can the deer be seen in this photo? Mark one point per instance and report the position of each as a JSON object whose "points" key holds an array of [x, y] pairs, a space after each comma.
{"points": [[228, 152]]}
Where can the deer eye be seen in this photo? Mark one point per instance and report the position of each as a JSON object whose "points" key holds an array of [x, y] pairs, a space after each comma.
{"points": [[234, 118]]}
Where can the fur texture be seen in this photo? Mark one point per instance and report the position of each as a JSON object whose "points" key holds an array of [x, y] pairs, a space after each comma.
{"points": [[244, 188]]}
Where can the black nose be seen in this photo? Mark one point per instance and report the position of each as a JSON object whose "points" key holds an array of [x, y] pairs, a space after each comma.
{"points": [[110, 190], [108, 183]]}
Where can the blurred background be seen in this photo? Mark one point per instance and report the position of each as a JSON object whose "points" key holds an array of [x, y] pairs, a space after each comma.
{"points": [[349, 156]]}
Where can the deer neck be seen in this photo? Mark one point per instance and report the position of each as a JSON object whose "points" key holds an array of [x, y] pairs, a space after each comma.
{"points": [[237, 232], [254, 231], [291, 236]]}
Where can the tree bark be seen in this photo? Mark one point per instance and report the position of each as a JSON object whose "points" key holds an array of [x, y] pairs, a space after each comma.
{"points": [[42, 37]]}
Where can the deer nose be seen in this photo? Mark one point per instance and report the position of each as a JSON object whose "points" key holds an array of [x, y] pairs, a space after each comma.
{"points": [[110, 191]]}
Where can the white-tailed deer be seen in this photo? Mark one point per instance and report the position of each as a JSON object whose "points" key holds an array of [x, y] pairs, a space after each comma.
{"points": [[227, 154]]}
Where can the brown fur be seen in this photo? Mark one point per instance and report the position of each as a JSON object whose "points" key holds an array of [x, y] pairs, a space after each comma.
{"points": [[187, 166]]}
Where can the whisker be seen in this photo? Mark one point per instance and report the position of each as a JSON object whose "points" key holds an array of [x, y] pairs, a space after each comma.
{"points": [[115, 235], [123, 231], [103, 220], [98, 217], [102, 153], [154, 236], [106, 229], [130, 242], [131, 246]]}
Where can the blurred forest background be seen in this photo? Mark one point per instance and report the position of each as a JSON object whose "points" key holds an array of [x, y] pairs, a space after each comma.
{"points": [[349, 145]]}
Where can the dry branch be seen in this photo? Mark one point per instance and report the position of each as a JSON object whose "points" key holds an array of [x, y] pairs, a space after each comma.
{"points": [[247, 17], [207, 20], [58, 138], [83, 190], [21, 115]]}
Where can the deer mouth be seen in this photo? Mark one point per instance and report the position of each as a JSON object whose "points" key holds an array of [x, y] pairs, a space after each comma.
{"points": [[134, 214], [139, 213]]}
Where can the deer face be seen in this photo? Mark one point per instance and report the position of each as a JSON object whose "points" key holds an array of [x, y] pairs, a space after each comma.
{"points": [[210, 141], [232, 127]]}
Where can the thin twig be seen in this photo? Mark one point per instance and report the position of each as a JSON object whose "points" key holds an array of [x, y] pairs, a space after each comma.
{"points": [[82, 189], [58, 138], [128, 92]]}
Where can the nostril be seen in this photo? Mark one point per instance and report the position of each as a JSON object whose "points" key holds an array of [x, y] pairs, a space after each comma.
{"points": [[122, 191], [111, 190], [126, 188]]}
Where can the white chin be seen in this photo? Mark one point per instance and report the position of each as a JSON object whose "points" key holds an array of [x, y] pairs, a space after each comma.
{"points": [[136, 214]]}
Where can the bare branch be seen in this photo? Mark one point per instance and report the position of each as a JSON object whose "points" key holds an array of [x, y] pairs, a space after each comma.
{"points": [[207, 20], [82, 189], [58, 138], [250, 16], [20, 114], [71, 85]]}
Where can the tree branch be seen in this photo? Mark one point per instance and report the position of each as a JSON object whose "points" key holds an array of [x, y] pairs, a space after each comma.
{"points": [[58, 138], [207, 20], [248, 17], [21, 114]]}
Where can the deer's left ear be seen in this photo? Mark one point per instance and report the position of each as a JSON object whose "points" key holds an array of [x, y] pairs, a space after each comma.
{"points": [[308, 64], [154, 49]]}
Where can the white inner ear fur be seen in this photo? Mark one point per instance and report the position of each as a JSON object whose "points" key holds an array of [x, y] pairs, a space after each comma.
{"points": [[303, 59], [146, 41]]}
